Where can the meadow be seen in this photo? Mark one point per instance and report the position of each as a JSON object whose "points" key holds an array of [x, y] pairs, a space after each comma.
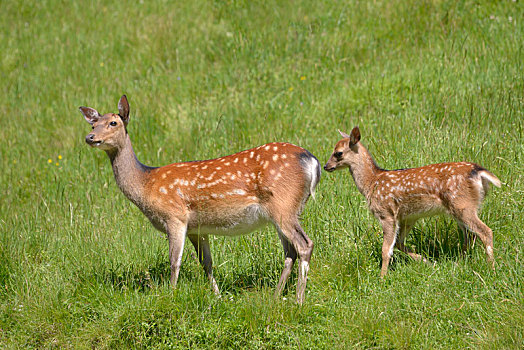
{"points": [[426, 81]]}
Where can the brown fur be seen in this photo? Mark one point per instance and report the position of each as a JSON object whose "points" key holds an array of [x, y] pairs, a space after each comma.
{"points": [[398, 198], [226, 196]]}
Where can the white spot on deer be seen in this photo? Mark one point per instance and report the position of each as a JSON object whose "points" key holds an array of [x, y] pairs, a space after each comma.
{"points": [[180, 193], [284, 156], [171, 186], [176, 181], [164, 176], [163, 190], [258, 157], [204, 167], [192, 182], [169, 171], [214, 195], [251, 154], [219, 168], [275, 157], [244, 160], [222, 160], [266, 164], [238, 191], [272, 172], [253, 198], [267, 148], [253, 176], [227, 164], [286, 165], [236, 160], [170, 201], [233, 177], [201, 186], [221, 195], [275, 148]]}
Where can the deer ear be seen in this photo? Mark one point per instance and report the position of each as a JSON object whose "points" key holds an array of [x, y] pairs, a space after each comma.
{"points": [[90, 114], [355, 136], [123, 109], [343, 134]]}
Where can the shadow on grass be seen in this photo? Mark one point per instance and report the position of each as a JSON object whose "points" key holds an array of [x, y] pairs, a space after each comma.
{"points": [[131, 277], [435, 241]]}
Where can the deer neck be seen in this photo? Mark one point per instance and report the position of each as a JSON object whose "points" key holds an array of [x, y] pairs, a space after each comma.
{"points": [[130, 174], [365, 171]]}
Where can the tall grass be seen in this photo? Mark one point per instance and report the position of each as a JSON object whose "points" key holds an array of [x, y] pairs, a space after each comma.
{"points": [[426, 81]]}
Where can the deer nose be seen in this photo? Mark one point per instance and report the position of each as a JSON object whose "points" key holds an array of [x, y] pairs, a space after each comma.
{"points": [[90, 138], [327, 168]]}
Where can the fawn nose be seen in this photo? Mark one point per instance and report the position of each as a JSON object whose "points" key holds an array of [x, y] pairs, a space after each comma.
{"points": [[90, 138]]}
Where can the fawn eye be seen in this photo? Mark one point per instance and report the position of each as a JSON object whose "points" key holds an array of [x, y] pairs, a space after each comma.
{"points": [[338, 154], [113, 123], [92, 127]]}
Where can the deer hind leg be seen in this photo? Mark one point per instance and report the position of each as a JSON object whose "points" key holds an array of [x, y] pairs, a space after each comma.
{"points": [[176, 235], [303, 247], [390, 228], [201, 244], [291, 256], [404, 229], [470, 219], [467, 237]]}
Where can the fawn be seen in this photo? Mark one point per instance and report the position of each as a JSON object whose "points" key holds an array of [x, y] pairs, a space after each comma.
{"points": [[226, 196], [398, 198]]}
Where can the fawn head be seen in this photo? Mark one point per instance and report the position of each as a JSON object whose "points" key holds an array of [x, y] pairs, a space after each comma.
{"points": [[109, 130], [346, 151]]}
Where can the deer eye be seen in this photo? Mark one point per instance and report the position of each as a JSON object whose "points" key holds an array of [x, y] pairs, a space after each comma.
{"points": [[92, 127], [338, 154], [113, 123]]}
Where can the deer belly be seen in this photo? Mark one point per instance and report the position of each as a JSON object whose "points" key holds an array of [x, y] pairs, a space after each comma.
{"points": [[422, 210], [228, 222]]}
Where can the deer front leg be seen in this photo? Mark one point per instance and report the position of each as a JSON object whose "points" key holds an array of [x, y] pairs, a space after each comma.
{"points": [[201, 244], [390, 228], [176, 235]]}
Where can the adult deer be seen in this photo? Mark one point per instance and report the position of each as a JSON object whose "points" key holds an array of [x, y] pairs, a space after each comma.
{"points": [[398, 198], [226, 196]]}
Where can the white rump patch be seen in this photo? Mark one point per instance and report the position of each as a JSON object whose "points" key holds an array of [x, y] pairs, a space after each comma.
{"points": [[163, 190]]}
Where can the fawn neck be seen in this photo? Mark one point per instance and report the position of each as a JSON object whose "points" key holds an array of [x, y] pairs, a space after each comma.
{"points": [[130, 174], [364, 171]]}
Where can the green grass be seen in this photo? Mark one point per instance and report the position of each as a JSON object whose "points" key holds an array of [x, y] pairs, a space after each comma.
{"points": [[426, 81]]}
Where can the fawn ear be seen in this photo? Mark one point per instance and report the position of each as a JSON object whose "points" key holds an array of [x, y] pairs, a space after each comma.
{"points": [[355, 136], [343, 134], [123, 109], [90, 114]]}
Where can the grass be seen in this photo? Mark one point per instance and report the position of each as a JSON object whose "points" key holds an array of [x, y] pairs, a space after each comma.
{"points": [[426, 81]]}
